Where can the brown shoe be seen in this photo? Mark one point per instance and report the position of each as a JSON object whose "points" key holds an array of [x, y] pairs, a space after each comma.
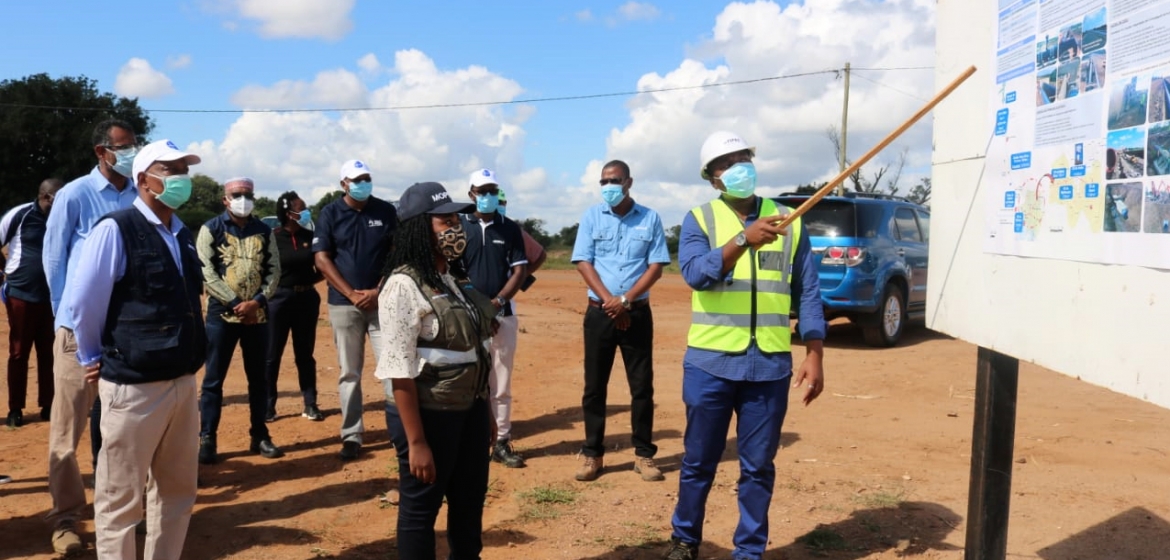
{"points": [[590, 469], [645, 467], [66, 540]]}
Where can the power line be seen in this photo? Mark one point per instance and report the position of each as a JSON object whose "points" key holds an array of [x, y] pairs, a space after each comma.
{"points": [[455, 105], [903, 92]]}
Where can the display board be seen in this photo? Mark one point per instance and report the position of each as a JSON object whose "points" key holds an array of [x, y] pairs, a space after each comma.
{"points": [[1050, 237]]}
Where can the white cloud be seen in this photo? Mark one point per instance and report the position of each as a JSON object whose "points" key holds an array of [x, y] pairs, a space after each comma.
{"points": [[786, 119], [308, 19], [138, 79], [584, 16], [179, 61], [634, 11], [303, 151], [369, 63]]}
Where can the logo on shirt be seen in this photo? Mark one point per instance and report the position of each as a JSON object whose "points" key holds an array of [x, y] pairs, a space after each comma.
{"points": [[498, 241], [374, 223], [316, 239]]}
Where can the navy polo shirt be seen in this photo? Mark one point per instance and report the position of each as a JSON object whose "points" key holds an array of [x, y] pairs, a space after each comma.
{"points": [[492, 250], [359, 241]]}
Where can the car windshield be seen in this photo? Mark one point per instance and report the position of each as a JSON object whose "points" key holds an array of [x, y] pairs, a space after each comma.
{"points": [[828, 218]]}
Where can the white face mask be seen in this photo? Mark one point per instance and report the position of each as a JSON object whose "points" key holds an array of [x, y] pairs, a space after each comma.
{"points": [[241, 207]]}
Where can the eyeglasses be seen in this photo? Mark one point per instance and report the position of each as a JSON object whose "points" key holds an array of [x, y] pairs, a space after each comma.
{"points": [[120, 148], [612, 181], [247, 195], [481, 191]]}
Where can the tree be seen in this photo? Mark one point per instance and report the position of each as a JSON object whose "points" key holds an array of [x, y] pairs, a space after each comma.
{"points": [[205, 203], [326, 200], [264, 207], [873, 182], [46, 130], [567, 236], [535, 228], [672, 235], [921, 192]]}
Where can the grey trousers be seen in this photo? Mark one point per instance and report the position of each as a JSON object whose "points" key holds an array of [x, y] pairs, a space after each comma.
{"points": [[350, 327]]}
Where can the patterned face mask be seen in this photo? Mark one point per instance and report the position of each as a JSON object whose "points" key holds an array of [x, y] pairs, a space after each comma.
{"points": [[452, 242]]}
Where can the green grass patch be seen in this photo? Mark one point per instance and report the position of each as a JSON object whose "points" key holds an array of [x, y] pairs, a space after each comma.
{"points": [[558, 259], [546, 502], [823, 540], [881, 499]]}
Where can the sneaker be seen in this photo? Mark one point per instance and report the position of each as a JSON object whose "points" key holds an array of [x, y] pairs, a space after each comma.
{"points": [[270, 416], [503, 453], [350, 450], [5, 479], [645, 467], [207, 454], [66, 540], [313, 413], [15, 419], [266, 449], [590, 469], [680, 550]]}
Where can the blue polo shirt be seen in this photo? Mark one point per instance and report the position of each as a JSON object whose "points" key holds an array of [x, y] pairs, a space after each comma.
{"points": [[493, 248], [359, 241], [621, 248]]}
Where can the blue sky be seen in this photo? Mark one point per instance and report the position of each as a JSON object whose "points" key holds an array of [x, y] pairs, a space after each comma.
{"points": [[233, 54]]}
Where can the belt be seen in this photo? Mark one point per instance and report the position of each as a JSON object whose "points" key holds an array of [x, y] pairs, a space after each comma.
{"points": [[637, 304], [304, 288]]}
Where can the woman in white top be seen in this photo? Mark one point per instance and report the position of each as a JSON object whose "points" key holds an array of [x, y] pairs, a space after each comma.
{"points": [[434, 368]]}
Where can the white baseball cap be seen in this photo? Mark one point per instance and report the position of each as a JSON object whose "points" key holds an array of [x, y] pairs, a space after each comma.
{"points": [[483, 177], [162, 150], [720, 144], [354, 168]]}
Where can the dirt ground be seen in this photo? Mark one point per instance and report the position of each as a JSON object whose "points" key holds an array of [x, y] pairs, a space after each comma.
{"points": [[877, 468]]}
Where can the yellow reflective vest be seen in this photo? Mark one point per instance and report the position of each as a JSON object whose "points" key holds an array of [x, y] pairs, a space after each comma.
{"points": [[755, 301]]}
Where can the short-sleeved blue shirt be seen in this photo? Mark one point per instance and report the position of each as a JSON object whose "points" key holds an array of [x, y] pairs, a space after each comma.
{"points": [[359, 241], [620, 248]]}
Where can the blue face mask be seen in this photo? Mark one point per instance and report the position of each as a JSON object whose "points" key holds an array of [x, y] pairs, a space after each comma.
{"points": [[304, 218], [124, 163], [487, 203], [739, 180], [360, 190], [612, 195], [503, 210]]}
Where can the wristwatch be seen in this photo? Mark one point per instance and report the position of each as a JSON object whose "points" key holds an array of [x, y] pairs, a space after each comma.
{"points": [[625, 303], [500, 300], [741, 240]]}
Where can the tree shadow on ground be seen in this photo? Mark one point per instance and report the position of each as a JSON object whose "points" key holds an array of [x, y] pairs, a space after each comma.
{"points": [[1136, 534], [386, 549], [908, 529]]}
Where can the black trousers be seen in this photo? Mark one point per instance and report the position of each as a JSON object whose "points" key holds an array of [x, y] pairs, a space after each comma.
{"points": [[459, 445], [289, 310], [602, 339], [222, 338]]}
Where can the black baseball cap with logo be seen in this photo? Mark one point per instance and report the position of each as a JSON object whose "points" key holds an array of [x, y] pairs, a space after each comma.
{"points": [[429, 198]]}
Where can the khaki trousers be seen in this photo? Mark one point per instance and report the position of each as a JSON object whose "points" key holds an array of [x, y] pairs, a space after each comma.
{"points": [[72, 400], [148, 429]]}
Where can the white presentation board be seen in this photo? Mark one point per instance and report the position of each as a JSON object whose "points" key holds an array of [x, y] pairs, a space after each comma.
{"points": [[1030, 252]]}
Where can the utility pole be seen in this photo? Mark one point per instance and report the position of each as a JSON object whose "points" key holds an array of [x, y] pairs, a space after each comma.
{"points": [[844, 131]]}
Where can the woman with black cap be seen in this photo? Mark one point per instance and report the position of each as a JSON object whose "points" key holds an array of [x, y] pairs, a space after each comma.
{"points": [[434, 368]]}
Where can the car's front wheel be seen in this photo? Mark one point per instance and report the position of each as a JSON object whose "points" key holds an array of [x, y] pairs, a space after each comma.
{"points": [[884, 327]]}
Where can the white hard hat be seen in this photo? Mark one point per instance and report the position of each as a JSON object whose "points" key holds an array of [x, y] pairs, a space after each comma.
{"points": [[720, 144]]}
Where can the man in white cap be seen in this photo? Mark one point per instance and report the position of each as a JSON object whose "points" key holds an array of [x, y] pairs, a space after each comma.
{"points": [[748, 274], [350, 245], [140, 336], [497, 266]]}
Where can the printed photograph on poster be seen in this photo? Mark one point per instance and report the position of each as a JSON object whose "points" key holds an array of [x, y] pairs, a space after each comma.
{"points": [[1046, 51], [1160, 96], [1123, 208], [1127, 102], [1158, 149], [1095, 31], [1156, 218], [1070, 42], [1093, 71], [1058, 83], [1125, 154]]}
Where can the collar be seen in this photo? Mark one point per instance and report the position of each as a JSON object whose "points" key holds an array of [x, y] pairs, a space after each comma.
{"points": [[100, 183], [176, 223], [634, 209]]}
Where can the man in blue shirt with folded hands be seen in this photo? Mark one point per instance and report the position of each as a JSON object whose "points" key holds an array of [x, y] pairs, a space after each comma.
{"points": [[620, 251], [746, 272]]}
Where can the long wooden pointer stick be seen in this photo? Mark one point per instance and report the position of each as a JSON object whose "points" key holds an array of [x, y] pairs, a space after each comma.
{"points": [[825, 190]]}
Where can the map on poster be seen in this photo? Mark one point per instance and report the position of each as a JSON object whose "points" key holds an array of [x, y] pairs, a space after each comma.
{"points": [[1078, 167]]}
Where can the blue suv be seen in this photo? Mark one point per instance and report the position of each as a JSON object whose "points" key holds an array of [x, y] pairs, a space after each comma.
{"points": [[871, 254]]}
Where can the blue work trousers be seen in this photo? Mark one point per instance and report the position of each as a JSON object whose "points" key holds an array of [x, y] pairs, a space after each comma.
{"points": [[759, 408]]}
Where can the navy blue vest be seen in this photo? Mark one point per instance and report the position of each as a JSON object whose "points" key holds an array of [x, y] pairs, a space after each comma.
{"points": [[154, 329]]}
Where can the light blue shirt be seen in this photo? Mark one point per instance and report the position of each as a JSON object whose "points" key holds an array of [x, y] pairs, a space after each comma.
{"points": [[101, 263], [76, 209], [620, 248]]}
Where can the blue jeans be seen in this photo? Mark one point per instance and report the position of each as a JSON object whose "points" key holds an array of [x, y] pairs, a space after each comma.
{"points": [[759, 408], [222, 338], [459, 445]]}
